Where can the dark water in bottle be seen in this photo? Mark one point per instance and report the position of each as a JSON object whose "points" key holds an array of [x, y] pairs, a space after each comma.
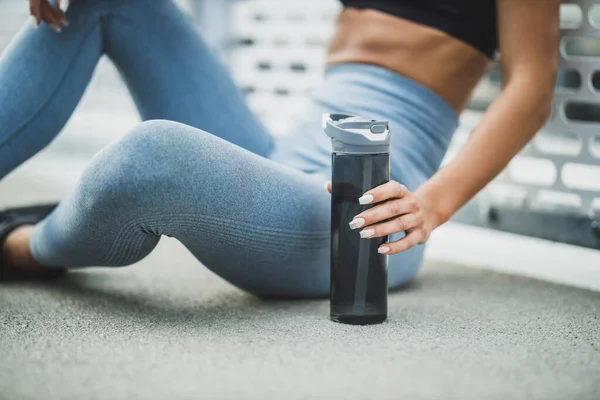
{"points": [[358, 271]]}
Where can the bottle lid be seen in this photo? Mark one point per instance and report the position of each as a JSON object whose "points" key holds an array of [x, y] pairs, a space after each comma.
{"points": [[357, 135]]}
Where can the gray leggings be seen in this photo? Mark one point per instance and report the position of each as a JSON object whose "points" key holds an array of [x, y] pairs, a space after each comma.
{"points": [[250, 208]]}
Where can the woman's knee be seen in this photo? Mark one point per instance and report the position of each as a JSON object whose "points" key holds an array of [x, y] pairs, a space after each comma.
{"points": [[160, 143], [146, 164]]}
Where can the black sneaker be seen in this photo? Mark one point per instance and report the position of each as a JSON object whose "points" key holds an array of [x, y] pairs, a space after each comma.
{"points": [[10, 220]]}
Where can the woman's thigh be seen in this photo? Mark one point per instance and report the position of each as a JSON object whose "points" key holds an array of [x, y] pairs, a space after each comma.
{"points": [[170, 71], [260, 225]]}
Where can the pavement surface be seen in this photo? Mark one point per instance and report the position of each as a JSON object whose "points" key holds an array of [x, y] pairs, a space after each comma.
{"points": [[168, 328]]}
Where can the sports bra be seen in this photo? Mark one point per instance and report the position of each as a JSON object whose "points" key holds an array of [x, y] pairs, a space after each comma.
{"points": [[473, 22]]}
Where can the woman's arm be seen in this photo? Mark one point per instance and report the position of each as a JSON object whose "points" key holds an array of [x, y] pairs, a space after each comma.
{"points": [[528, 36]]}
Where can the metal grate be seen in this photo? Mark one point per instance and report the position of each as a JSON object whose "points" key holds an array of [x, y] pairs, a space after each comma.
{"points": [[559, 170], [278, 54], [551, 190]]}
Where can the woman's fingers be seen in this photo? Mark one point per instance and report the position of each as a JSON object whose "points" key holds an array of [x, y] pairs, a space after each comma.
{"points": [[384, 211], [35, 10], [389, 190], [42, 11], [400, 224], [395, 209], [52, 16], [412, 238]]}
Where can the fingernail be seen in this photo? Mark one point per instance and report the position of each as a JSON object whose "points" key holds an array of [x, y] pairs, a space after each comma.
{"points": [[65, 24], [64, 5], [383, 249], [367, 233], [57, 30], [366, 199], [34, 22], [356, 223], [326, 185]]}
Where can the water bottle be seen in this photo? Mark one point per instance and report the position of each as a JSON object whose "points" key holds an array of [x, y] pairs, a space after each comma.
{"points": [[360, 162]]}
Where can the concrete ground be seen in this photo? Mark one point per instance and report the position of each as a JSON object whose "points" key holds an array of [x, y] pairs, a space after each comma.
{"points": [[168, 328]]}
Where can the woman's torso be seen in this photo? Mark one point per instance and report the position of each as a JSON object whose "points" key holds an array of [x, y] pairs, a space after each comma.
{"points": [[428, 41]]}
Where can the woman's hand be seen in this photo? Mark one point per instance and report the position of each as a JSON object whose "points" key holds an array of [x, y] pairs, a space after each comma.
{"points": [[43, 11], [396, 210]]}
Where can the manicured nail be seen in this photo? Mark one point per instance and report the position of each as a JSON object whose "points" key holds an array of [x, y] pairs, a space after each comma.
{"points": [[64, 5], [356, 223], [366, 199], [383, 249], [367, 233]]}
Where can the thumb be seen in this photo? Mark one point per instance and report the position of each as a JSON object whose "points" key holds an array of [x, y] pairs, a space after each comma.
{"points": [[327, 186]]}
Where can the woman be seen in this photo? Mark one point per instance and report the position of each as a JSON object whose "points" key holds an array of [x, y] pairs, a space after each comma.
{"points": [[252, 209]]}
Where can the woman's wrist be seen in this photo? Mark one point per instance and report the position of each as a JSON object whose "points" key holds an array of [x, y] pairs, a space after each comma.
{"points": [[436, 210]]}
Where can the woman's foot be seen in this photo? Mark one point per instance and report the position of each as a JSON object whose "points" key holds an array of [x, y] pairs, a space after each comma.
{"points": [[15, 249], [16, 260]]}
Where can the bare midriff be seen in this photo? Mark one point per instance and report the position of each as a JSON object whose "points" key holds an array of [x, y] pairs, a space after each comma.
{"points": [[436, 60]]}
